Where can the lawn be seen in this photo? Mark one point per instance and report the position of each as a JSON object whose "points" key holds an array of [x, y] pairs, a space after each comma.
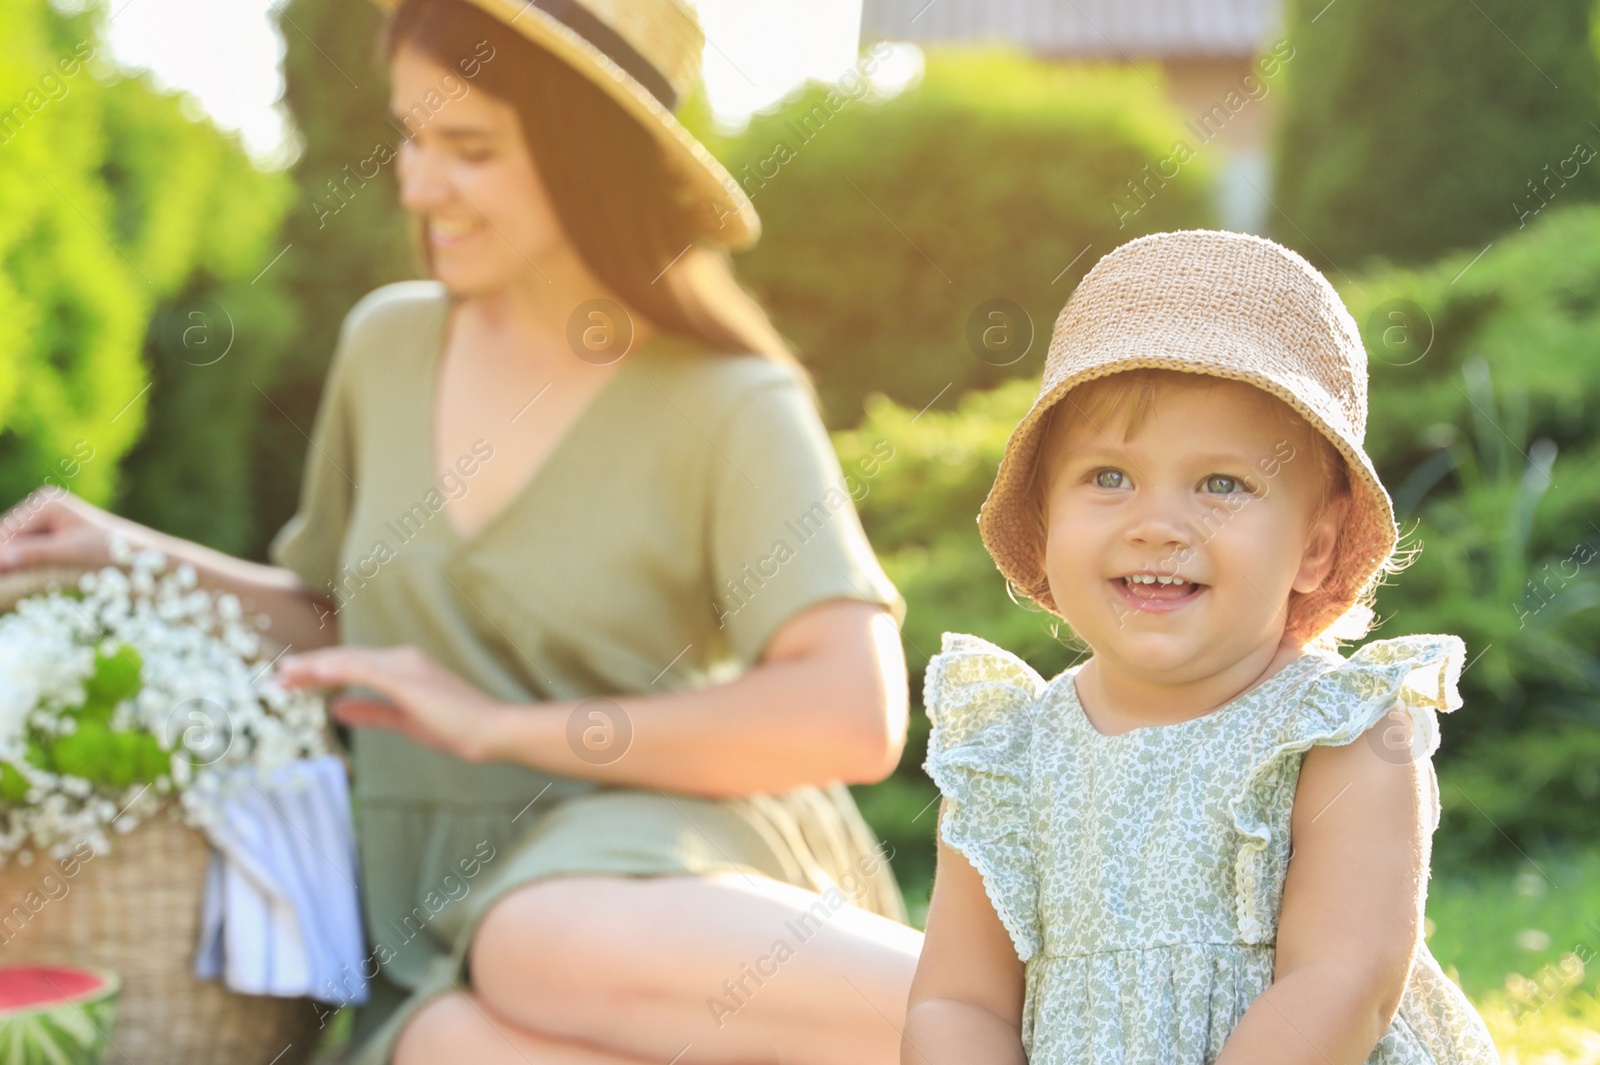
{"points": [[1522, 942]]}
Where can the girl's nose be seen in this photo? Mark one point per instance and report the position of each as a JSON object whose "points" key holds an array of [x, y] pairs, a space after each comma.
{"points": [[1159, 520]]}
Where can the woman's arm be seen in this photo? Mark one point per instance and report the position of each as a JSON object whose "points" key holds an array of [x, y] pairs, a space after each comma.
{"points": [[967, 994], [53, 527], [301, 619], [1352, 909], [827, 702]]}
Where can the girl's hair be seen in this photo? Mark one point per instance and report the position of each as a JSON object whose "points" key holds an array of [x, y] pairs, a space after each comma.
{"points": [[1103, 399], [607, 177]]}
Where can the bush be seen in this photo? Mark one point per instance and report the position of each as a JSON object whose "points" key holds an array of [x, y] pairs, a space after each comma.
{"points": [[75, 307], [210, 220], [1483, 388], [890, 224], [1414, 129], [118, 206]]}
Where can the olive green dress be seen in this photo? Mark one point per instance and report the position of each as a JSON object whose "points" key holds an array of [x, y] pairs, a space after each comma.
{"points": [[694, 507]]}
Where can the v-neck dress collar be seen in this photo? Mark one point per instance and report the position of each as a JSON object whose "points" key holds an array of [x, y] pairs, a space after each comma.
{"points": [[588, 421]]}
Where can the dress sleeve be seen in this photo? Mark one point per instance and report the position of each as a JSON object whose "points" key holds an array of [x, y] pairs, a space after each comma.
{"points": [[784, 533], [311, 542], [1417, 674], [980, 700]]}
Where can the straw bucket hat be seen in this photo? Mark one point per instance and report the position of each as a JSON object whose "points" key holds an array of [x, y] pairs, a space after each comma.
{"points": [[645, 55], [1229, 305]]}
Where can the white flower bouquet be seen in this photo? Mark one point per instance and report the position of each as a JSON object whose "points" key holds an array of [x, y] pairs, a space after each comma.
{"points": [[135, 686]]}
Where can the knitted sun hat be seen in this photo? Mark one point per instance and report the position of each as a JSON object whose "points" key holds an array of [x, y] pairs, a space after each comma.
{"points": [[645, 55], [1229, 305]]}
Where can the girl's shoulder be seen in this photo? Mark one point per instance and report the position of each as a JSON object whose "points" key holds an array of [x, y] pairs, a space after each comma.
{"points": [[1339, 701], [972, 684], [980, 696], [1346, 696]]}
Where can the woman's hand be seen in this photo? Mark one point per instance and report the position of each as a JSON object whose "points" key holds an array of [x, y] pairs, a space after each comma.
{"points": [[53, 527], [429, 704]]}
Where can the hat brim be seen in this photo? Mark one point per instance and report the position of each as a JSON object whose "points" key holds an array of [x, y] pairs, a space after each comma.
{"points": [[1010, 531], [731, 218]]}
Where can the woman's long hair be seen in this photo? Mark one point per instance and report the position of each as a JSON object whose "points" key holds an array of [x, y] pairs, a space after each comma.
{"points": [[607, 178]]}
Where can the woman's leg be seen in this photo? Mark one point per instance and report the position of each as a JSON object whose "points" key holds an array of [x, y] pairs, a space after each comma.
{"points": [[459, 1028], [722, 968]]}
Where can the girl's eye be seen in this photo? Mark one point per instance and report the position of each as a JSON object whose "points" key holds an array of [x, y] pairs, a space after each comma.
{"points": [[1231, 485], [476, 157], [1216, 483]]}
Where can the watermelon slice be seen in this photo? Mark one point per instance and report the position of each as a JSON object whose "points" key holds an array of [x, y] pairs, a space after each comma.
{"points": [[56, 1014]]}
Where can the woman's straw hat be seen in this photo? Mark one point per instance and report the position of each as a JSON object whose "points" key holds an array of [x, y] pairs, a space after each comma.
{"points": [[645, 55], [1229, 305]]}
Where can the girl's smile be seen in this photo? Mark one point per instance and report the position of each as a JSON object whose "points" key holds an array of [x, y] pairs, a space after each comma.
{"points": [[1157, 593]]}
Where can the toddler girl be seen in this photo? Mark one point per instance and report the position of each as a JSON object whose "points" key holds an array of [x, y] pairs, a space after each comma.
{"points": [[1209, 841]]}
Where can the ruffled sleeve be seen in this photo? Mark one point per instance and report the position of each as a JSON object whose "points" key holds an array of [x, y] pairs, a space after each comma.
{"points": [[1419, 674], [980, 699]]}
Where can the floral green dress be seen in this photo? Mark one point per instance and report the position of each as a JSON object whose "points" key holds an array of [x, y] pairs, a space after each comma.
{"points": [[1140, 875]]}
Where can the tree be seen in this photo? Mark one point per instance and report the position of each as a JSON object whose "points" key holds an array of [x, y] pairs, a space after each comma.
{"points": [[345, 232], [122, 210]]}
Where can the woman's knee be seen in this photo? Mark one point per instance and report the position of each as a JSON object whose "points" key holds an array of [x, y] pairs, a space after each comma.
{"points": [[554, 954], [436, 1032]]}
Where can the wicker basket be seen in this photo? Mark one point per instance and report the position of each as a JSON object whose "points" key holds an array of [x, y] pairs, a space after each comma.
{"points": [[137, 911]]}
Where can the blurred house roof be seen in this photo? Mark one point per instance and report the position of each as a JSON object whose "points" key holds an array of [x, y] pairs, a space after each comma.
{"points": [[1163, 28]]}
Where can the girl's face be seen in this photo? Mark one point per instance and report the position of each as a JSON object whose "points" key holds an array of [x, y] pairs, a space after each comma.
{"points": [[1217, 489], [468, 175]]}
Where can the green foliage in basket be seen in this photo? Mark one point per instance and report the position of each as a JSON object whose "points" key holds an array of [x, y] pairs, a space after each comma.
{"points": [[93, 750]]}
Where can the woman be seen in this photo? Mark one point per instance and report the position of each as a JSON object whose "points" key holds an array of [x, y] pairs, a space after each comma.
{"points": [[571, 522]]}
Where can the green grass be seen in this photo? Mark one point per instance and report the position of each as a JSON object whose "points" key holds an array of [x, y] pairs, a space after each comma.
{"points": [[1524, 943], [1564, 1030], [1493, 927]]}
